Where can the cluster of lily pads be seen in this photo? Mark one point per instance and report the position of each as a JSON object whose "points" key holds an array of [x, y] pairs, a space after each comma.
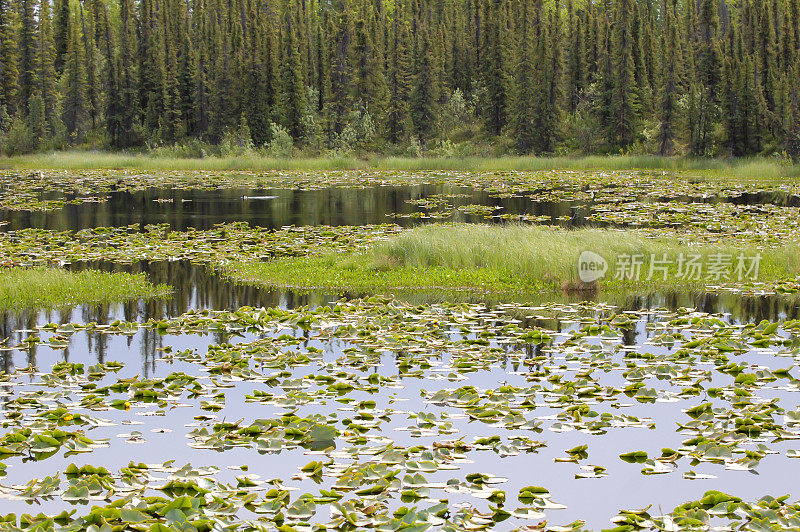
{"points": [[331, 391], [51, 189], [384, 415], [221, 244]]}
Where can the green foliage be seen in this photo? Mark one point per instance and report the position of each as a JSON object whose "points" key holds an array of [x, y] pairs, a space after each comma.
{"points": [[18, 139], [48, 288], [497, 77], [491, 259], [281, 144], [37, 121]]}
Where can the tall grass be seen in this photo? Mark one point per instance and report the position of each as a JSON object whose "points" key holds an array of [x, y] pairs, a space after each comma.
{"points": [[548, 253], [507, 258], [42, 288], [538, 252], [751, 168]]}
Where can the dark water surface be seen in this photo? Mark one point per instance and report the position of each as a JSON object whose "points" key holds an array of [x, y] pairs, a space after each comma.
{"points": [[274, 208], [271, 208]]}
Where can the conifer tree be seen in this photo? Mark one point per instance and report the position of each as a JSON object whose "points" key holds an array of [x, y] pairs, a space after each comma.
{"points": [[494, 67], [369, 83], [152, 66], [202, 68], [61, 32], [704, 110], [27, 52], [339, 91], [9, 71], [294, 93], [45, 68], [36, 121], [221, 87], [399, 83], [74, 81], [127, 76], [624, 99], [258, 97], [671, 69], [576, 57], [526, 89], [93, 67], [423, 98], [706, 76], [792, 141]]}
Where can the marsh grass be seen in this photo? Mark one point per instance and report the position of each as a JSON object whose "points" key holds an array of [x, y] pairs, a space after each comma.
{"points": [[44, 288], [503, 259], [749, 168]]}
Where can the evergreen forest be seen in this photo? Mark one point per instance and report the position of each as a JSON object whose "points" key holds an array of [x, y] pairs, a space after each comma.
{"points": [[445, 77]]}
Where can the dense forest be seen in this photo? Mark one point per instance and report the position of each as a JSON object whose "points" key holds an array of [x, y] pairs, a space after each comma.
{"points": [[444, 77]]}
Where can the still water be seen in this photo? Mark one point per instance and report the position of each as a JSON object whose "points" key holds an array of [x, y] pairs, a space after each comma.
{"points": [[164, 435], [272, 208]]}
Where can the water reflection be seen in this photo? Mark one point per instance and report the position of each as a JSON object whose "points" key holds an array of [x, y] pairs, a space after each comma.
{"points": [[196, 287], [201, 209], [273, 208]]}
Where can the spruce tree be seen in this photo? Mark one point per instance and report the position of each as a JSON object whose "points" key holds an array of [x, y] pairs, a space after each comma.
{"points": [[369, 82], [338, 91], [9, 71], [576, 57], [494, 67], [201, 29], [399, 82], [175, 70], [127, 76], [526, 89], [61, 32], [671, 70], [624, 104], [45, 68], [259, 100], [74, 82], [293, 83], [152, 66], [27, 46], [792, 136], [221, 99], [93, 68], [422, 100], [705, 108], [37, 121]]}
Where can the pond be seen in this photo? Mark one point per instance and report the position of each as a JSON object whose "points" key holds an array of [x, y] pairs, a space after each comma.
{"points": [[274, 208], [349, 410]]}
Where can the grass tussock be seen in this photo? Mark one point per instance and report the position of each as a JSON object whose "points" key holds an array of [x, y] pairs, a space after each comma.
{"points": [[44, 288], [515, 258], [749, 168]]}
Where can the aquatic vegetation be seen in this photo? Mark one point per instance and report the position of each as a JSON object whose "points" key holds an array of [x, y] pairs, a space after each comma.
{"points": [[52, 189], [739, 168], [217, 246], [37, 288], [515, 259], [386, 414], [327, 382]]}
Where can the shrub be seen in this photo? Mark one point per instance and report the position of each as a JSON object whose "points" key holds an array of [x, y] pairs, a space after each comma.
{"points": [[237, 141], [281, 144], [18, 140], [454, 115]]}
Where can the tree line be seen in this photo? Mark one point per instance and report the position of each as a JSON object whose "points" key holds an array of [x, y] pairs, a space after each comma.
{"points": [[698, 77]]}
